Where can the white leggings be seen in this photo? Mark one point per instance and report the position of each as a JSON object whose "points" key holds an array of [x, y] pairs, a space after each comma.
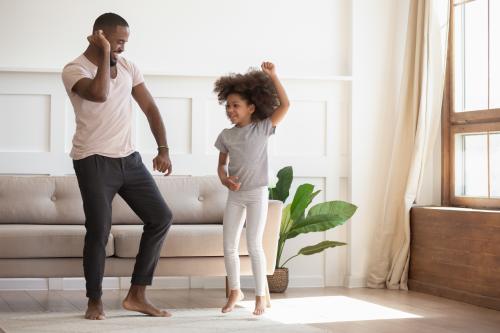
{"points": [[254, 203]]}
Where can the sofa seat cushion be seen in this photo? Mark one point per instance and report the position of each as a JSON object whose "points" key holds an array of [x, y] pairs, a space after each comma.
{"points": [[194, 240], [44, 241]]}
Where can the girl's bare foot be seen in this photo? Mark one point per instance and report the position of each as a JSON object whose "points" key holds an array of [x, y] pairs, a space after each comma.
{"points": [[260, 305], [136, 301], [235, 296], [95, 310]]}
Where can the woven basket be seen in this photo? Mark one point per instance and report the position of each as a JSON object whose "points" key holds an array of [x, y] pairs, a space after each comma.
{"points": [[278, 282]]}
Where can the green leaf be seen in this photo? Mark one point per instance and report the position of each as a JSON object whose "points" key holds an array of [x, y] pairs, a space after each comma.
{"points": [[313, 249], [339, 208], [316, 223], [302, 216], [301, 200], [282, 189], [309, 250]]}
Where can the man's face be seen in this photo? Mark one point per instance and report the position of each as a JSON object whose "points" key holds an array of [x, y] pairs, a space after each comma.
{"points": [[117, 38]]}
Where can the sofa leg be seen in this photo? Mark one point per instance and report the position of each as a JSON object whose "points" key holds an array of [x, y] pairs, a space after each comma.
{"points": [[227, 287]]}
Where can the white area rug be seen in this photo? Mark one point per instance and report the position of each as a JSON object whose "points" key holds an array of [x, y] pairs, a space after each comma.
{"points": [[183, 321]]}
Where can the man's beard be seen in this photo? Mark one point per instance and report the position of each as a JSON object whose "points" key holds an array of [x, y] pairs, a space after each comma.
{"points": [[112, 62]]}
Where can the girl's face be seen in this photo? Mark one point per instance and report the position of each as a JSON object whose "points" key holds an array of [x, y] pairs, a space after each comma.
{"points": [[238, 110]]}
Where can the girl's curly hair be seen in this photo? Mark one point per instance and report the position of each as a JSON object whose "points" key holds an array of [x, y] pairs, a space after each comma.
{"points": [[255, 87]]}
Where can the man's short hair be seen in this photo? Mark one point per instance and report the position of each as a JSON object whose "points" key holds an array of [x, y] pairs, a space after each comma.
{"points": [[109, 20]]}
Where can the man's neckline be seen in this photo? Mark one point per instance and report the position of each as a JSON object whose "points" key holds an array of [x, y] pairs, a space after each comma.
{"points": [[90, 62]]}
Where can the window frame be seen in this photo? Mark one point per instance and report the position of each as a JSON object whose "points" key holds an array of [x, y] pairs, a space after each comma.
{"points": [[453, 123]]}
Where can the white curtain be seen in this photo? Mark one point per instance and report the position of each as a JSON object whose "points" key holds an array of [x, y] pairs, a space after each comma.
{"points": [[419, 112]]}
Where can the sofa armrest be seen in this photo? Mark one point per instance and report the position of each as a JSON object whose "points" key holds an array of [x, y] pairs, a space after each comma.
{"points": [[271, 234]]}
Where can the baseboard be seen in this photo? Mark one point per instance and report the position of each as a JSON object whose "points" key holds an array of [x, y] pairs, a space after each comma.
{"points": [[311, 281], [79, 283], [181, 282], [354, 281], [335, 281], [24, 284], [165, 282], [208, 282], [53, 284]]}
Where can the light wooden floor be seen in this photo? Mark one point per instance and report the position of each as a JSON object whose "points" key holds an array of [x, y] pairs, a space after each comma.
{"points": [[436, 314]]}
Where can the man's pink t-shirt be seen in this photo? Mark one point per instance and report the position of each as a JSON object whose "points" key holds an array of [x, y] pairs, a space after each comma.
{"points": [[103, 128]]}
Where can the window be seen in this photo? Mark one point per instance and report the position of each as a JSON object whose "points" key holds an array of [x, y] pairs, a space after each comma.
{"points": [[471, 106]]}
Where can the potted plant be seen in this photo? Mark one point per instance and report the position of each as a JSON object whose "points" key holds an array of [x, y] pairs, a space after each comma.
{"points": [[295, 221]]}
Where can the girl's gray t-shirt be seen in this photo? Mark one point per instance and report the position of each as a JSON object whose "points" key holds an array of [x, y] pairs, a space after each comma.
{"points": [[247, 150]]}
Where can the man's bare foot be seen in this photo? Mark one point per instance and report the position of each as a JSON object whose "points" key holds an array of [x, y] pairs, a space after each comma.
{"points": [[136, 301], [95, 310], [234, 296], [260, 305]]}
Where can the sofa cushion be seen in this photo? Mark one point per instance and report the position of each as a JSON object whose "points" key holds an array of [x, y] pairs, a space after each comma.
{"points": [[40, 200], [57, 200], [25, 199], [193, 200], [44, 241], [204, 240]]}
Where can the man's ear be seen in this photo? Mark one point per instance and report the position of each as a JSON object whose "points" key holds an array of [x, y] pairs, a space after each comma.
{"points": [[252, 108], [106, 31]]}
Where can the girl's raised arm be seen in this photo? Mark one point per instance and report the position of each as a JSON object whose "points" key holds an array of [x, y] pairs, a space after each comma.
{"points": [[280, 112]]}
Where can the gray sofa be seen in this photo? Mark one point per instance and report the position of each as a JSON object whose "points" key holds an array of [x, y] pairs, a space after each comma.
{"points": [[42, 229]]}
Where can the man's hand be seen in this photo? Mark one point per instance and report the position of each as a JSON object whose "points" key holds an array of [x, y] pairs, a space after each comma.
{"points": [[231, 182], [99, 40], [162, 163]]}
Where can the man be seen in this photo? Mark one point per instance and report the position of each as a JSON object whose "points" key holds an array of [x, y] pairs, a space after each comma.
{"points": [[100, 84]]}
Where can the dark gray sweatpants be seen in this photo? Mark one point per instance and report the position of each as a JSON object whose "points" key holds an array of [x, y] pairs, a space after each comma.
{"points": [[99, 179]]}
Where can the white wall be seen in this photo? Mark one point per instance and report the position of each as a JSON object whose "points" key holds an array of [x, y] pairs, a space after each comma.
{"points": [[192, 37], [182, 46]]}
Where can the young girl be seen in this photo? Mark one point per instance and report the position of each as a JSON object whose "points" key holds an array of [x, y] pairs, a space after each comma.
{"points": [[255, 103]]}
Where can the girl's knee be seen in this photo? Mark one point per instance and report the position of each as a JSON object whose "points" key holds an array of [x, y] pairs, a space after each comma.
{"points": [[230, 249], [255, 250]]}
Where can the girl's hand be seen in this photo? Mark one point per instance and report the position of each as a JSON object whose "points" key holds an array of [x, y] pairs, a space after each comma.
{"points": [[268, 68], [231, 183]]}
